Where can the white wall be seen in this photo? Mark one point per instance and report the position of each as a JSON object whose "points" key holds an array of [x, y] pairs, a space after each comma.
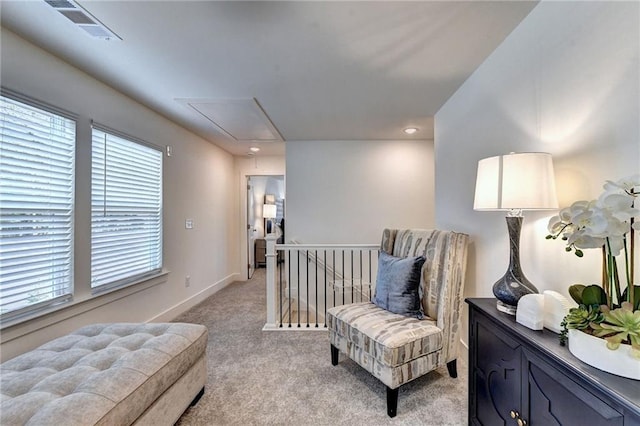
{"points": [[199, 184], [349, 191], [566, 81]]}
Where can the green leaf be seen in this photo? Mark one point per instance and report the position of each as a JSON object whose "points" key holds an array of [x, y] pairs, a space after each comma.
{"points": [[579, 253], [575, 291], [636, 296], [594, 295]]}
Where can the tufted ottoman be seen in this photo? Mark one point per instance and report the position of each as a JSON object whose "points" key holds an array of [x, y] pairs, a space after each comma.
{"points": [[107, 374]]}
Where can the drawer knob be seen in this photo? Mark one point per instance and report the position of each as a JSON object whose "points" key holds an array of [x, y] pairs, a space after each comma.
{"points": [[514, 414], [521, 422]]}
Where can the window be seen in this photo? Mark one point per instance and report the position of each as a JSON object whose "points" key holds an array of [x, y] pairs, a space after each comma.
{"points": [[37, 153], [126, 210]]}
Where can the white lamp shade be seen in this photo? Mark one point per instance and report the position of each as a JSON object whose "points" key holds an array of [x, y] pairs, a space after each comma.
{"points": [[268, 211], [516, 181]]}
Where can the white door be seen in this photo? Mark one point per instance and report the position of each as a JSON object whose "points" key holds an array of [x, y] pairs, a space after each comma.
{"points": [[250, 229]]}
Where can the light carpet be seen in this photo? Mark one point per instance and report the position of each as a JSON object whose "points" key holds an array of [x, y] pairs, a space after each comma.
{"points": [[260, 377]]}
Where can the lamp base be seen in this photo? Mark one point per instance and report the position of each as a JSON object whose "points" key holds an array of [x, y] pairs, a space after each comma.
{"points": [[507, 309], [513, 285]]}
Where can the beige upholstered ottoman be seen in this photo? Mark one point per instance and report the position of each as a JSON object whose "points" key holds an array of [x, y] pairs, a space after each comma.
{"points": [[107, 374]]}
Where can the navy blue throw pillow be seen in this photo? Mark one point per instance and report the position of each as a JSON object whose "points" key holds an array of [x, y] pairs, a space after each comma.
{"points": [[398, 284]]}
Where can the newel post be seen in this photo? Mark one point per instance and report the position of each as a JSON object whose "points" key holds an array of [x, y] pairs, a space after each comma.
{"points": [[271, 281]]}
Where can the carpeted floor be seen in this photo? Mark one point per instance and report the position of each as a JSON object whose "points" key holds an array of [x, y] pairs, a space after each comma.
{"points": [[286, 378]]}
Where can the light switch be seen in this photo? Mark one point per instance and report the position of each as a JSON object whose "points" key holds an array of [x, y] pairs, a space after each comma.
{"points": [[188, 224]]}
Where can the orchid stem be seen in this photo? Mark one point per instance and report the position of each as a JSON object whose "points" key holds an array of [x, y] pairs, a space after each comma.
{"points": [[627, 269], [631, 282], [605, 276]]}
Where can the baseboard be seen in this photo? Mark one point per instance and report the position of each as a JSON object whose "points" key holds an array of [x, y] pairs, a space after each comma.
{"points": [[463, 352], [189, 303]]}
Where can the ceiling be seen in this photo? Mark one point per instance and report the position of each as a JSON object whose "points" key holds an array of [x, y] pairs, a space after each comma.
{"points": [[325, 70]]}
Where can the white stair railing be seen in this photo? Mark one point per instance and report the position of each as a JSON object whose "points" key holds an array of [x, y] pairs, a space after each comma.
{"points": [[304, 280]]}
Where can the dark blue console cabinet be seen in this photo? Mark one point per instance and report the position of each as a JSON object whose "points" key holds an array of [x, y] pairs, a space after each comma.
{"points": [[519, 376]]}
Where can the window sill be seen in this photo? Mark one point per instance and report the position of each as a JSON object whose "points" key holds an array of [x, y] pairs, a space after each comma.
{"points": [[19, 327]]}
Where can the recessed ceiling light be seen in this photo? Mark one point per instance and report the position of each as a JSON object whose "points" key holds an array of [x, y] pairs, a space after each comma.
{"points": [[410, 130], [254, 149]]}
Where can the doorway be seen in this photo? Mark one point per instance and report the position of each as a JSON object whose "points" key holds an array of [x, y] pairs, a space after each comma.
{"points": [[262, 190]]}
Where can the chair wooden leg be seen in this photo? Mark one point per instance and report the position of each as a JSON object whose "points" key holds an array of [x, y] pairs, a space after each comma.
{"points": [[334, 355], [392, 401], [452, 367]]}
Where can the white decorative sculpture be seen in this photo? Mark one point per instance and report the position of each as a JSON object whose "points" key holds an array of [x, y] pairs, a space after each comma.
{"points": [[530, 312]]}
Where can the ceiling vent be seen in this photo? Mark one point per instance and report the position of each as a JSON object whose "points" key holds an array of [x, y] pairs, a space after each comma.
{"points": [[243, 120], [83, 19]]}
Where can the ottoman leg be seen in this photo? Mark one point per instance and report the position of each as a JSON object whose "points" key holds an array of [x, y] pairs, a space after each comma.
{"points": [[392, 401], [334, 355]]}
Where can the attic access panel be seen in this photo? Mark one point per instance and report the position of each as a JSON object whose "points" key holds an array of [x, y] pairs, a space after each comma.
{"points": [[243, 120]]}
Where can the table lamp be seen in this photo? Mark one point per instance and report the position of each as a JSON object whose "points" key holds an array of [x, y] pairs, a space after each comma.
{"points": [[513, 183], [269, 212]]}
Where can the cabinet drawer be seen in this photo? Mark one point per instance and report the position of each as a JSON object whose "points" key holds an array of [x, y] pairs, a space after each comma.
{"points": [[496, 371], [552, 398]]}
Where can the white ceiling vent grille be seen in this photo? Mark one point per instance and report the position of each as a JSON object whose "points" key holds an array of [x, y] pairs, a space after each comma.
{"points": [[60, 4], [83, 19], [77, 17], [243, 120]]}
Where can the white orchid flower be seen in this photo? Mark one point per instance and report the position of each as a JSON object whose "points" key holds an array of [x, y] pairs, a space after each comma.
{"points": [[616, 228], [563, 221], [626, 184], [601, 222], [583, 241], [618, 205], [592, 222], [566, 214], [579, 206], [569, 230], [555, 225]]}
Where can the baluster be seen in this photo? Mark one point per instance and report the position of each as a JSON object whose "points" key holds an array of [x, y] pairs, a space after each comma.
{"points": [[333, 266], [370, 281], [352, 278], [343, 277], [280, 295], [307, 268], [361, 280], [316, 269], [289, 287], [324, 259], [298, 293]]}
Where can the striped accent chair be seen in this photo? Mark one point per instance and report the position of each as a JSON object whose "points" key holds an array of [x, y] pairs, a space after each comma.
{"points": [[395, 348]]}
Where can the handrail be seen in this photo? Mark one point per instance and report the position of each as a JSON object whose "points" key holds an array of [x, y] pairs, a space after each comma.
{"points": [[294, 245]]}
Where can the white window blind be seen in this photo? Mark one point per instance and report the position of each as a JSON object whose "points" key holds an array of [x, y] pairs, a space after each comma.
{"points": [[126, 210], [37, 153]]}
